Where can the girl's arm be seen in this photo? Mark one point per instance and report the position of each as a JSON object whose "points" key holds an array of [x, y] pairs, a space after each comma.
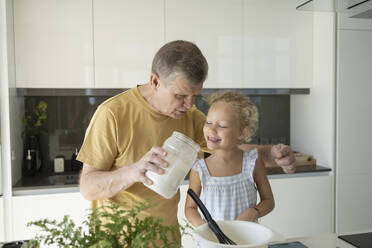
{"points": [[191, 209], [266, 204]]}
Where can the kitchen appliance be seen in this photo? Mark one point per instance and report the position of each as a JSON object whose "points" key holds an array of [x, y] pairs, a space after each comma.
{"points": [[76, 165], [32, 158], [245, 233], [29, 164]]}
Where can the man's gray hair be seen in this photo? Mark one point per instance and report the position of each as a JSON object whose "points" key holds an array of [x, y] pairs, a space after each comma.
{"points": [[180, 58]]}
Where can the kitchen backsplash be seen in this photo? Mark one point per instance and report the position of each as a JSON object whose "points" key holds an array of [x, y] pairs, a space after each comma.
{"points": [[69, 116]]}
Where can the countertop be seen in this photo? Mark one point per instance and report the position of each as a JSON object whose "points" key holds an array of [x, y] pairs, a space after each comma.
{"points": [[69, 181], [324, 241]]}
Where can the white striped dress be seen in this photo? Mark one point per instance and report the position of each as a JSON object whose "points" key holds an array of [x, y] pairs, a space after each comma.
{"points": [[227, 197]]}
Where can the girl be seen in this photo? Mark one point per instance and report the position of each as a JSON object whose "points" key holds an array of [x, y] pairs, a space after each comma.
{"points": [[228, 180]]}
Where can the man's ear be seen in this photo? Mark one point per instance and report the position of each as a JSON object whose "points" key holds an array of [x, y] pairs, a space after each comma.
{"points": [[154, 81]]}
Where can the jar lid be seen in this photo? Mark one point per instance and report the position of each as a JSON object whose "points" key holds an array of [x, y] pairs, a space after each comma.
{"points": [[186, 139]]}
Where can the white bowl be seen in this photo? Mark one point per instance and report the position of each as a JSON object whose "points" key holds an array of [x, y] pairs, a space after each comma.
{"points": [[244, 233]]}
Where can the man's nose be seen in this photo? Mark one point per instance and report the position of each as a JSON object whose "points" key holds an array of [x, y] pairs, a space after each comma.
{"points": [[189, 101]]}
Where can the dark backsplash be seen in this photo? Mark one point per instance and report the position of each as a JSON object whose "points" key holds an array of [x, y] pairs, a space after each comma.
{"points": [[69, 116]]}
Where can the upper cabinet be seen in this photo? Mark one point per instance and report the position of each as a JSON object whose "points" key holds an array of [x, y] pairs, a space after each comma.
{"points": [[278, 45], [53, 43], [127, 35], [216, 27], [111, 43], [251, 43]]}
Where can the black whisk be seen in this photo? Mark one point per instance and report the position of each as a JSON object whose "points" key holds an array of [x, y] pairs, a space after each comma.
{"points": [[222, 238]]}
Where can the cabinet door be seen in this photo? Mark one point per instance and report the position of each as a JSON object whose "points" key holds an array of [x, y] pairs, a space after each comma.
{"points": [[127, 34], [215, 26], [278, 45], [303, 206], [53, 43], [354, 108], [51, 206], [2, 237]]}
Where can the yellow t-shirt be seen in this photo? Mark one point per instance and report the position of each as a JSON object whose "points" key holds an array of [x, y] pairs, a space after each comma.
{"points": [[122, 130]]}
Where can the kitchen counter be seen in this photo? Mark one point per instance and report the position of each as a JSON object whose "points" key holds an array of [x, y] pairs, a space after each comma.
{"points": [[69, 182], [299, 170], [324, 241]]}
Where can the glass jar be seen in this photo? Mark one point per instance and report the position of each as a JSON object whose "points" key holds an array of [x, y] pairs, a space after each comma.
{"points": [[181, 155]]}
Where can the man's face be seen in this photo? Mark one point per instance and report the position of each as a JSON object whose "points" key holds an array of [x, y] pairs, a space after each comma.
{"points": [[177, 97]]}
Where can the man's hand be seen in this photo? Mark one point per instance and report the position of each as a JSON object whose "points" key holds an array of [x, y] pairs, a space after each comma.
{"points": [[153, 161], [284, 157]]}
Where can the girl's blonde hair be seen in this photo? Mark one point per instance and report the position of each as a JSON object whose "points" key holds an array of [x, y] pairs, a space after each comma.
{"points": [[246, 110]]}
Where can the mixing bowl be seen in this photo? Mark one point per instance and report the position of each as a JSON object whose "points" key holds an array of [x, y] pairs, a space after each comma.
{"points": [[244, 233]]}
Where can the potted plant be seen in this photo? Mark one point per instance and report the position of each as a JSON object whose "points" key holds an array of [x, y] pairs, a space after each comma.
{"points": [[112, 228], [35, 120]]}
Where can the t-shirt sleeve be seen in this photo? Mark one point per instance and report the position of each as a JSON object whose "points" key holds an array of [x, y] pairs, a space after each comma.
{"points": [[99, 148]]}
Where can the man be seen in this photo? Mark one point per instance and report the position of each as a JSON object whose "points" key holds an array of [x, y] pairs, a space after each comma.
{"points": [[125, 135]]}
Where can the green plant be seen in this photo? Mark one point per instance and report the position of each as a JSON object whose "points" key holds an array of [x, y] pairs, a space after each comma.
{"points": [[111, 228], [34, 121]]}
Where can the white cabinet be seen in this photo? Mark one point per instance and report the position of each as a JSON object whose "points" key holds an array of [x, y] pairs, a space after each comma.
{"points": [[215, 26], [353, 136], [1, 219], [278, 45], [53, 43], [127, 35], [303, 206], [111, 43], [50, 206]]}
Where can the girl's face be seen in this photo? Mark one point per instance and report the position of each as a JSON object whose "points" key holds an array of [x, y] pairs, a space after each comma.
{"points": [[222, 129]]}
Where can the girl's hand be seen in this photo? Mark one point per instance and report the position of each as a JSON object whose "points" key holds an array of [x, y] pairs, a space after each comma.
{"points": [[250, 214]]}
